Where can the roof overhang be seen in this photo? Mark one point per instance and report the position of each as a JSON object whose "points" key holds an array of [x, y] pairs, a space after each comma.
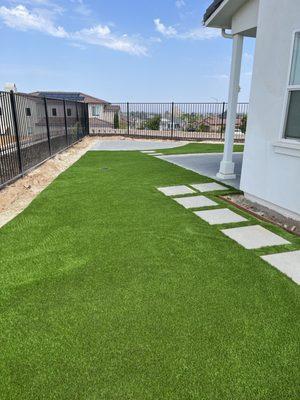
{"points": [[221, 16]]}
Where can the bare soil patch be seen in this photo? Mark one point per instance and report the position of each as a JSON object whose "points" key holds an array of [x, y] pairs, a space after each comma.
{"points": [[264, 213]]}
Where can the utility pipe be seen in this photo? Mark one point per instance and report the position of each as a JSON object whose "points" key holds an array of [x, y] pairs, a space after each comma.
{"points": [[227, 165], [226, 35]]}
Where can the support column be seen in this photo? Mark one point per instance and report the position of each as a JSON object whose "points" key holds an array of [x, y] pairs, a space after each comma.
{"points": [[227, 164]]}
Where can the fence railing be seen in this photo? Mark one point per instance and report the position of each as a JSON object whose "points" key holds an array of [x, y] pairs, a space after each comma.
{"points": [[180, 121], [33, 129]]}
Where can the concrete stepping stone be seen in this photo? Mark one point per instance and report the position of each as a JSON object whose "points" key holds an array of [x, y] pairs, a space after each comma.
{"points": [[220, 216], [175, 190], [209, 187], [288, 263], [148, 151], [254, 237], [195, 202]]}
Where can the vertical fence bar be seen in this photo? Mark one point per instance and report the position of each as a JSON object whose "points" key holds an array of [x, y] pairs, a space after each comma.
{"points": [[16, 129], [128, 120], [47, 126], [87, 119], [222, 121], [172, 120], [77, 119], [66, 124]]}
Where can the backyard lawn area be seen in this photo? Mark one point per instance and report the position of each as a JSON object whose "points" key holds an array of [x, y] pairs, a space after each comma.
{"points": [[191, 148], [111, 290]]}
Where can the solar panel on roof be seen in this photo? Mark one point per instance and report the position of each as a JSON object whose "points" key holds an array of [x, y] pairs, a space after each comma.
{"points": [[63, 96]]}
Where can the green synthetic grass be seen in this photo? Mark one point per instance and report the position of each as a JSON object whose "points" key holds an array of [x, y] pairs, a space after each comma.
{"points": [[191, 148], [111, 290]]}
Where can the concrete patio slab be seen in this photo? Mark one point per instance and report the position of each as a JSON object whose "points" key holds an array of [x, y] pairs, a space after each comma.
{"points": [[195, 202], [220, 216], [209, 187], [207, 165], [254, 237], [129, 144], [175, 190], [288, 263]]}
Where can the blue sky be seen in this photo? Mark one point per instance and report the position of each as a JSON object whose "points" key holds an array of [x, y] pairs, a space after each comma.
{"points": [[119, 50]]}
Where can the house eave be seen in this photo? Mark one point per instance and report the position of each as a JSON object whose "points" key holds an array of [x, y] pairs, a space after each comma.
{"points": [[222, 16]]}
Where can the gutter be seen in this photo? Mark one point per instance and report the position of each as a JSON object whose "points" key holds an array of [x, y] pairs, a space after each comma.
{"points": [[226, 35]]}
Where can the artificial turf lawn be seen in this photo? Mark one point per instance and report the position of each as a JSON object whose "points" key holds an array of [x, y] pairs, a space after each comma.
{"points": [[111, 290], [191, 148]]}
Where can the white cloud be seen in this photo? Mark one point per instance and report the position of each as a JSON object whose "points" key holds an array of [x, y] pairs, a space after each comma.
{"points": [[200, 33], [165, 30], [49, 6], [101, 35], [81, 8], [180, 3], [21, 19]]}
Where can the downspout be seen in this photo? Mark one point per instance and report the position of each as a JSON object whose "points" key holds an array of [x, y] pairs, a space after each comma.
{"points": [[227, 164], [226, 35]]}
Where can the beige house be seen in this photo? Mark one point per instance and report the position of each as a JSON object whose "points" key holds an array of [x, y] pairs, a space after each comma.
{"points": [[101, 112]]}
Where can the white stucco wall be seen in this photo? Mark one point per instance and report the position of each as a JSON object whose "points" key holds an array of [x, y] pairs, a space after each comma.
{"points": [[246, 17], [267, 175]]}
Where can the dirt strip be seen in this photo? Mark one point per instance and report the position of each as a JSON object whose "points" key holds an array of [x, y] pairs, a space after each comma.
{"points": [[264, 213]]}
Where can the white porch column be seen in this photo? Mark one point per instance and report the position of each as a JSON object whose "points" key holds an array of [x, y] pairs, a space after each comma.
{"points": [[227, 164]]}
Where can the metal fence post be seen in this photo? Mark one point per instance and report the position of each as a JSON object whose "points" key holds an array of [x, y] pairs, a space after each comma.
{"points": [[222, 122], [16, 129], [66, 124], [87, 119], [128, 120], [172, 121], [47, 126], [77, 122]]}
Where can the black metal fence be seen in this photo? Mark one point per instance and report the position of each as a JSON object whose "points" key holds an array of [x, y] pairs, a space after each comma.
{"points": [[180, 121], [33, 129]]}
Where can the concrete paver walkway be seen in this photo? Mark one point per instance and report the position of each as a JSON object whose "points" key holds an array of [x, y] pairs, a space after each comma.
{"points": [[209, 187], [288, 263], [220, 216], [176, 190], [254, 237], [250, 237], [195, 202]]}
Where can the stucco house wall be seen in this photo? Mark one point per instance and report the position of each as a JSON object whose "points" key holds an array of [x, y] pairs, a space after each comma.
{"points": [[246, 18], [269, 176]]}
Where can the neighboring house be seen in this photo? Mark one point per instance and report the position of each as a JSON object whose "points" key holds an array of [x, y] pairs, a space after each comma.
{"points": [[270, 173], [166, 124], [215, 123], [29, 117], [101, 112]]}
